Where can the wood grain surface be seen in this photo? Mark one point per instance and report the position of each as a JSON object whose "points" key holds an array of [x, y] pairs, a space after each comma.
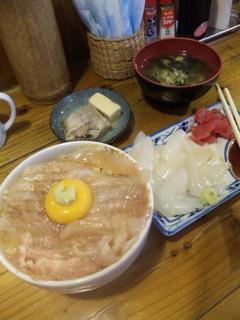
{"points": [[193, 275], [73, 35], [30, 36]]}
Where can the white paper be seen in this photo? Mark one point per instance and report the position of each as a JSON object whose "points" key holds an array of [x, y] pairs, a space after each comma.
{"points": [[220, 14]]}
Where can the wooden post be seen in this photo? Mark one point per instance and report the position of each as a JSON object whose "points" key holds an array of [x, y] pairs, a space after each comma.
{"points": [[30, 36]]}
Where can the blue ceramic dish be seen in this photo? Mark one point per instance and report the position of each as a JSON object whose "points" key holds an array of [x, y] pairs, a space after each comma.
{"points": [[172, 225], [80, 99]]}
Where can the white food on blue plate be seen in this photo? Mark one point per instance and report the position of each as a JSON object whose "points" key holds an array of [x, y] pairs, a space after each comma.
{"points": [[85, 123], [185, 176], [143, 146]]}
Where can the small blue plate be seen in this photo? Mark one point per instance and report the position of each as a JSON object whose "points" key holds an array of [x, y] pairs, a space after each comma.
{"points": [[172, 225], [80, 99]]}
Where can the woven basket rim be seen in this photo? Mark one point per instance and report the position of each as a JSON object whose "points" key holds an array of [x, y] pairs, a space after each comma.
{"points": [[115, 39]]}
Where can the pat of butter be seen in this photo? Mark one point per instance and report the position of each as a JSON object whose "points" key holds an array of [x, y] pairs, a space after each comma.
{"points": [[107, 107]]}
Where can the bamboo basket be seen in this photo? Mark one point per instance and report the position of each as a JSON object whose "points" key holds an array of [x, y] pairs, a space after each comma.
{"points": [[112, 58]]}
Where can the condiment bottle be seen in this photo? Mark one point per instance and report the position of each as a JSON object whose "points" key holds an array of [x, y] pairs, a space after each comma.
{"points": [[166, 19], [193, 18], [150, 20], [31, 39]]}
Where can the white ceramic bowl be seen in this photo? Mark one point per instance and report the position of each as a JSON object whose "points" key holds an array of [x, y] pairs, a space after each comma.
{"points": [[99, 278]]}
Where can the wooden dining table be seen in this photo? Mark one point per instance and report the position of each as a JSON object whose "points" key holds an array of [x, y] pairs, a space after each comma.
{"points": [[194, 274]]}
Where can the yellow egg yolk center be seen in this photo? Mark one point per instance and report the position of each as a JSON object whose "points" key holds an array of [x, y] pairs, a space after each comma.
{"points": [[68, 200]]}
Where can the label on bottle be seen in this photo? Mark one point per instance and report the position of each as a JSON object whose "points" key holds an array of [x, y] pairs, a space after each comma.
{"points": [[166, 23], [150, 24]]}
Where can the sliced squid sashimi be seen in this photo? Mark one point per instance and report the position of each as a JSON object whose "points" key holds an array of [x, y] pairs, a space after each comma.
{"points": [[179, 206], [144, 159], [173, 149], [163, 170], [180, 183], [174, 186], [197, 181], [171, 196]]}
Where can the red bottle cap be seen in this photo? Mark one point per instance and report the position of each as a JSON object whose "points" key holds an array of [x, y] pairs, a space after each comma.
{"points": [[165, 1], [150, 3]]}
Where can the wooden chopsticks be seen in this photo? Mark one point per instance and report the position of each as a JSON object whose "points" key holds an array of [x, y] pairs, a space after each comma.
{"points": [[231, 111]]}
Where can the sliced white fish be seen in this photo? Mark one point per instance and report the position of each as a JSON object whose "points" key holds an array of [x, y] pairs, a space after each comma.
{"points": [[45, 250]]}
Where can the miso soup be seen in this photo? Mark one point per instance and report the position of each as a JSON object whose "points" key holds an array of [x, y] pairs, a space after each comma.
{"points": [[179, 70]]}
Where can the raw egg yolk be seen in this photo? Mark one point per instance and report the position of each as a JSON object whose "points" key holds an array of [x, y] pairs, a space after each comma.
{"points": [[68, 200]]}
